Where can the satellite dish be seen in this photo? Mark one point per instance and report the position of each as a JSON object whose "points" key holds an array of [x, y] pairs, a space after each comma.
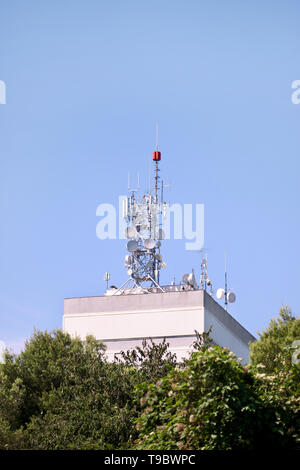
{"points": [[220, 293], [128, 260], [132, 245], [231, 297], [163, 265], [129, 272], [130, 232], [149, 243], [191, 279]]}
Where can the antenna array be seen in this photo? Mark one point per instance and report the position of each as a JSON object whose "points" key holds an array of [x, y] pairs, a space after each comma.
{"points": [[144, 218]]}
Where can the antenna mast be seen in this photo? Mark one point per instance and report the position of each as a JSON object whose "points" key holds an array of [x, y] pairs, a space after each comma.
{"points": [[205, 282], [106, 279], [156, 158], [144, 221], [226, 292]]}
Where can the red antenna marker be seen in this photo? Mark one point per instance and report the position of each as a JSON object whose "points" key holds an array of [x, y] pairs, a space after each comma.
{"points": [[156, 155]]}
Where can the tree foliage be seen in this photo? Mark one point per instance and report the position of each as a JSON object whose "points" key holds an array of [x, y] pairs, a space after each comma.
{"points": [[275, 361], [213, 403], [276, 341], [62, 393], [153, 360]]}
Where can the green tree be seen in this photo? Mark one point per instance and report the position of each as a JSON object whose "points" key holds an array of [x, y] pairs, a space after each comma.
{"points": [[275, 341], [275, 363], [92, 412], [62, 393], [48, 358], [212, 403], [11, 395], [152, 360]]}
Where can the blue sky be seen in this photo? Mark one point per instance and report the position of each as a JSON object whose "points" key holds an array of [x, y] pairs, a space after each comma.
{"points": [[85, 83]]}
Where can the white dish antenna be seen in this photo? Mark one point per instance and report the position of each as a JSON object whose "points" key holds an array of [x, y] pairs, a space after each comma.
{"points": [[128, 260], [149, 244], [131, 232], [231, 297], [191, 279], [220, 293], [132, 245]]}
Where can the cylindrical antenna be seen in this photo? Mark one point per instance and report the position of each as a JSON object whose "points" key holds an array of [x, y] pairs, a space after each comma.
{"points": [[156, 183], [106, 279], [161, 205]]}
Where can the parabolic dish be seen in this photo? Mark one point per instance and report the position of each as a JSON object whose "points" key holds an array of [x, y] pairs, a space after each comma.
{"points": [[128, 260], [130, 232], [231, 297], [149, 243], [191, 279], [132, 245], [220, 293]]}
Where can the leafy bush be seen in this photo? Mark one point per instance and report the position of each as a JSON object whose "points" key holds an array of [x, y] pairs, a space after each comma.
{"points": [[213, 403], [274, 362], [275, 341], [62, 393]]}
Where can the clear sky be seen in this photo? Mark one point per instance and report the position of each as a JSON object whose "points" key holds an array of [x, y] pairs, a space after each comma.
{"points": [[85, 83]]}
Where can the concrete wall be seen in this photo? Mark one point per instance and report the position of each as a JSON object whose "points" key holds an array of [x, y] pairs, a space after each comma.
{"points": [[123, 321], [226, 331], [180, 345]]}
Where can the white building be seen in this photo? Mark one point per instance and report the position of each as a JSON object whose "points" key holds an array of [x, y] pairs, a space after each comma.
{"points": [[123, 321]]}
